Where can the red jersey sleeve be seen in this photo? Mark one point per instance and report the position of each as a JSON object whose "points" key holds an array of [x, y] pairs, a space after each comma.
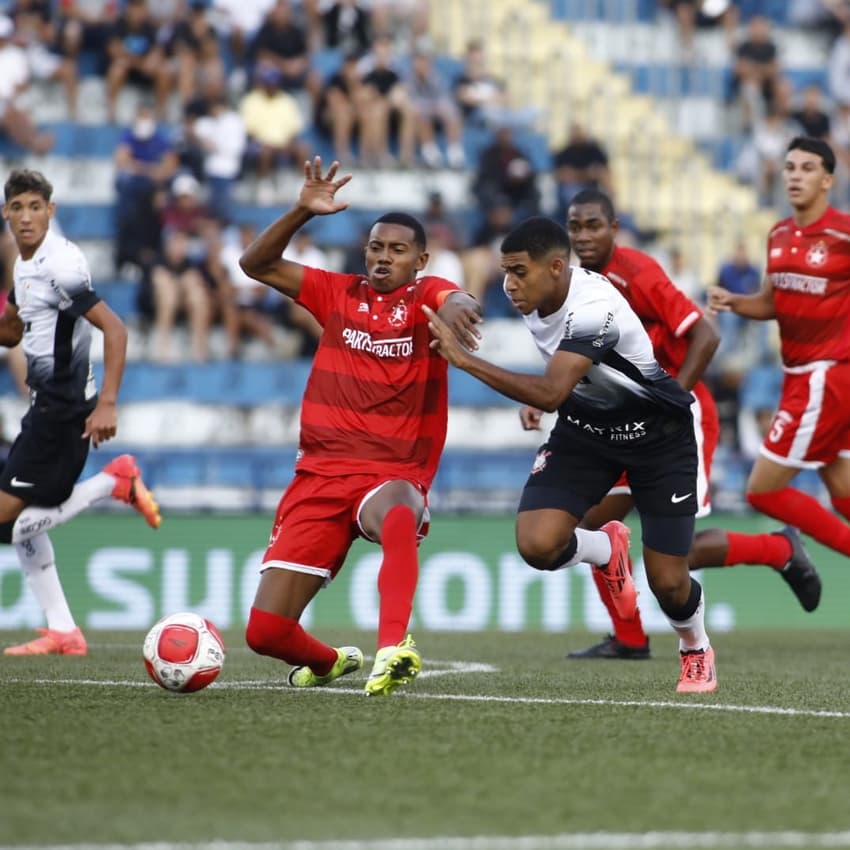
{"points": [[320, 290], [435, 290], [663, 301]]}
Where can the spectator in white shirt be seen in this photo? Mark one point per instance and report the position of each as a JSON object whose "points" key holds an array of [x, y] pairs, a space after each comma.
{"points": [[223, 139]]}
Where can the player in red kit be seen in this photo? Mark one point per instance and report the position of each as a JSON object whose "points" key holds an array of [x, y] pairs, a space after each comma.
{"points": [[684, 342], [807, 291], [373, 425]]}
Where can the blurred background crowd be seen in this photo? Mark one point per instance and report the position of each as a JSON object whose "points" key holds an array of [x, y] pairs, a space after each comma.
{"points": [[174, 130]]}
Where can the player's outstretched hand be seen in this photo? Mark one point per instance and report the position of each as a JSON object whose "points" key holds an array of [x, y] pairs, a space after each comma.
{"points": [[101, 424], [318, 193], [445, 341], [462, 315], [529, 418], [719, 300]]}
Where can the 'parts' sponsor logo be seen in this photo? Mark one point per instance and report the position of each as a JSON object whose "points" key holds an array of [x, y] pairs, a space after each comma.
{"points": [[386, 348]]}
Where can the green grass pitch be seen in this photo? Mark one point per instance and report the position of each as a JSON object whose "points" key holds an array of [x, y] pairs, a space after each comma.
{"points": [[499, 738]]}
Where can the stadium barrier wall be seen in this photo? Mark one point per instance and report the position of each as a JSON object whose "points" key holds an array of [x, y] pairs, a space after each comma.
{"points": [[119, 574]]}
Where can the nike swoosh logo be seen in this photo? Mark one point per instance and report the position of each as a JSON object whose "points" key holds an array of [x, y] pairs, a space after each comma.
{"points": [[676, 499], [16, 483]]}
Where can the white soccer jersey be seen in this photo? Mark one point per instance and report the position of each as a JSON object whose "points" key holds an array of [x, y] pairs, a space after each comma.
{"points": [[625, 380], [52, 290]]}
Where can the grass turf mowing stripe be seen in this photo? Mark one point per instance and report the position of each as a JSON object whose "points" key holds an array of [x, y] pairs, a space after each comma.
{"points": [[564, 841], [276, 686]]}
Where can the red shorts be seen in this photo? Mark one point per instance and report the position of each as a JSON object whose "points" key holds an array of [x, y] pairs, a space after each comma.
{"points": [[707, 433], [318, 519], [811, 426]]}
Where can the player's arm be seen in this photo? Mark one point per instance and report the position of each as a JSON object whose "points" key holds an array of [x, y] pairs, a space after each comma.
{"points": [[11, 326], [703, 340], [545, 392], [262, 259], [756, 306], [102, 422], [461, 312]]}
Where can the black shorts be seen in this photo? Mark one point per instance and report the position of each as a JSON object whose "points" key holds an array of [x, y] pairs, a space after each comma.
{"points": [[47, 457], [574, 470]]}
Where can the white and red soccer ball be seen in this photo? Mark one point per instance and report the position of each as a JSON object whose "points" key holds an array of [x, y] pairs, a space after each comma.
{"points": [[183, 652]]}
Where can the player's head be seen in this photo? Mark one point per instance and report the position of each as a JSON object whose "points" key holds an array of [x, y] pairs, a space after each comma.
{"points": [[535, 257], [592, 227], [28, 208], [808, 172], [395, 251]]}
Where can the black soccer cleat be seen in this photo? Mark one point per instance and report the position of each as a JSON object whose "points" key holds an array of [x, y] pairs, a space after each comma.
{"points": [[800, 572], [610, 647]]}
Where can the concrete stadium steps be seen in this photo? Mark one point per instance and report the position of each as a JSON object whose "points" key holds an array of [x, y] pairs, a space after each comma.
{"points": [[661, 176]]}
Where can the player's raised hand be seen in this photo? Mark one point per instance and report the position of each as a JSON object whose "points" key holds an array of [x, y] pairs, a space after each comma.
{"points": [[318, 192], [719, 300], [529, 418]]}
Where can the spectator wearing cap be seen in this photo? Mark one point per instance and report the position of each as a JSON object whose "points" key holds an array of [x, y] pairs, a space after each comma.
{"points": [[15, 122], [136, 57], [273, 123], [182, 276]]}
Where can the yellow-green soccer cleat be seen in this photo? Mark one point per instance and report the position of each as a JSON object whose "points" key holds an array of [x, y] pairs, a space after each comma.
{"points": [[394, 666], [350, 660]]}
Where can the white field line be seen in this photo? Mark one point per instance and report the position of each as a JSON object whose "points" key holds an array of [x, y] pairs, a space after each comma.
{"points": [[564, 841], [462, 667]]}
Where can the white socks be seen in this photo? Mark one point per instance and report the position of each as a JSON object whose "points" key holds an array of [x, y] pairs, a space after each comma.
{"points": [[39, 566], [594, 547], [692, 634], [34, 520]]}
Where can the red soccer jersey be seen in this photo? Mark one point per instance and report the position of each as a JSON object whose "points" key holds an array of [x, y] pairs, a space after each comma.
{"points": [[809, 268], [377, 396], [664, 310]]}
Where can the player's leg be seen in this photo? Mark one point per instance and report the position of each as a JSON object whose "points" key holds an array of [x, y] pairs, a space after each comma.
{"points": [[568, 477], [680, 597], [809, 430], [393, 514], [663, 477], [628, 640], [782, 550], [310, 538], [62, 635]]}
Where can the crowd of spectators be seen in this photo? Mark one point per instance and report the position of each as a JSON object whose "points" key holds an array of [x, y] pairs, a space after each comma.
{"points": [[236, 92]]}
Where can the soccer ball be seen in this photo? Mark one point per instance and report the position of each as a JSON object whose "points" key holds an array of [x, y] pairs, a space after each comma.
{"points": [[183, 652]]}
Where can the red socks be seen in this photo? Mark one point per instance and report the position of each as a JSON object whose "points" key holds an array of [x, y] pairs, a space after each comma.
{"points": [[283, 638], [771, 549], [628, 632], [398, 574], [796, 508]]}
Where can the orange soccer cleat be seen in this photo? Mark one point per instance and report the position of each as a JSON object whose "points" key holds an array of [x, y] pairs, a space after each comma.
{"points": [[698, 673], [130, 489], [52, 642], [617, 575]]}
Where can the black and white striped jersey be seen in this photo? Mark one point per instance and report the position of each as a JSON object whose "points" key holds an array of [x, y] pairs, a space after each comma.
{"points": [[625, 381], [52, 291]]}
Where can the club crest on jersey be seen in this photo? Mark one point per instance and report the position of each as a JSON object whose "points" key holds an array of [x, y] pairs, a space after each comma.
{"points": [[399, 315], [540, 461], [818, 254]]}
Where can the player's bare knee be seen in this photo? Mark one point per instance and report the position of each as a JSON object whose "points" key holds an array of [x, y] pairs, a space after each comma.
{"points": [[536, 554]]}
